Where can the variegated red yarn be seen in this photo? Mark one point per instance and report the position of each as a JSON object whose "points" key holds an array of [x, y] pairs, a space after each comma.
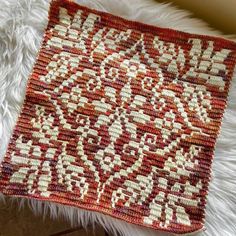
{"points": [[120, 118]]}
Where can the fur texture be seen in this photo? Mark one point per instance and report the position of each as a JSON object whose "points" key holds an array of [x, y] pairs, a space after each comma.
{"points": [[21, 29]]}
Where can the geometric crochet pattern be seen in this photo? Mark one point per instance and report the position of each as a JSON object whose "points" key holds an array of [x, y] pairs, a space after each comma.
{"points": [[120, 118]]}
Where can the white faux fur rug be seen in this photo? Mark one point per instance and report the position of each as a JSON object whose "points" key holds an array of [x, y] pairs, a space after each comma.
{"points": [[21, 29]]}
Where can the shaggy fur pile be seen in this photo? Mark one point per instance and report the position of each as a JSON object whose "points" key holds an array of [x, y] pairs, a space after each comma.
{"points": [[22, 24]]}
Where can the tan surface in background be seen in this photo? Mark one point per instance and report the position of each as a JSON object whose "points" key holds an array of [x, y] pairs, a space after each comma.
{"points": [[220, 14], [22, 222]]}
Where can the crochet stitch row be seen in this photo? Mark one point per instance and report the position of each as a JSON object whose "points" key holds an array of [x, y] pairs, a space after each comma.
{"points": [[120, 118]]}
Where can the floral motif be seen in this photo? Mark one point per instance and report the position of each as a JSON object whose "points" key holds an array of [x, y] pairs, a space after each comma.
{"points": [[120, 118]]}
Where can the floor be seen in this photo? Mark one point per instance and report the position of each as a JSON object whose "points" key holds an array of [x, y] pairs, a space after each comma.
{"points": [[15, 222], [209, 11]]}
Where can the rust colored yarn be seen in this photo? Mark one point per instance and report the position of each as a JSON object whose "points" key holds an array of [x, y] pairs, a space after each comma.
{"points": [[120, 118]]}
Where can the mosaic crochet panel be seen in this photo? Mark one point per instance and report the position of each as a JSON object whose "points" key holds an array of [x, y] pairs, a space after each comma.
{"points": [[120, 118]]}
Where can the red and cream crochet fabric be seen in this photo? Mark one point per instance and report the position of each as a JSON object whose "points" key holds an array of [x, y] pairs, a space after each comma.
{"points": [[120, 118]]}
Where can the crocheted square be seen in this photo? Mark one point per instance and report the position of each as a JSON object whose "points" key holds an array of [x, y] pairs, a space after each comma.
{"points": [[120, 118]]}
